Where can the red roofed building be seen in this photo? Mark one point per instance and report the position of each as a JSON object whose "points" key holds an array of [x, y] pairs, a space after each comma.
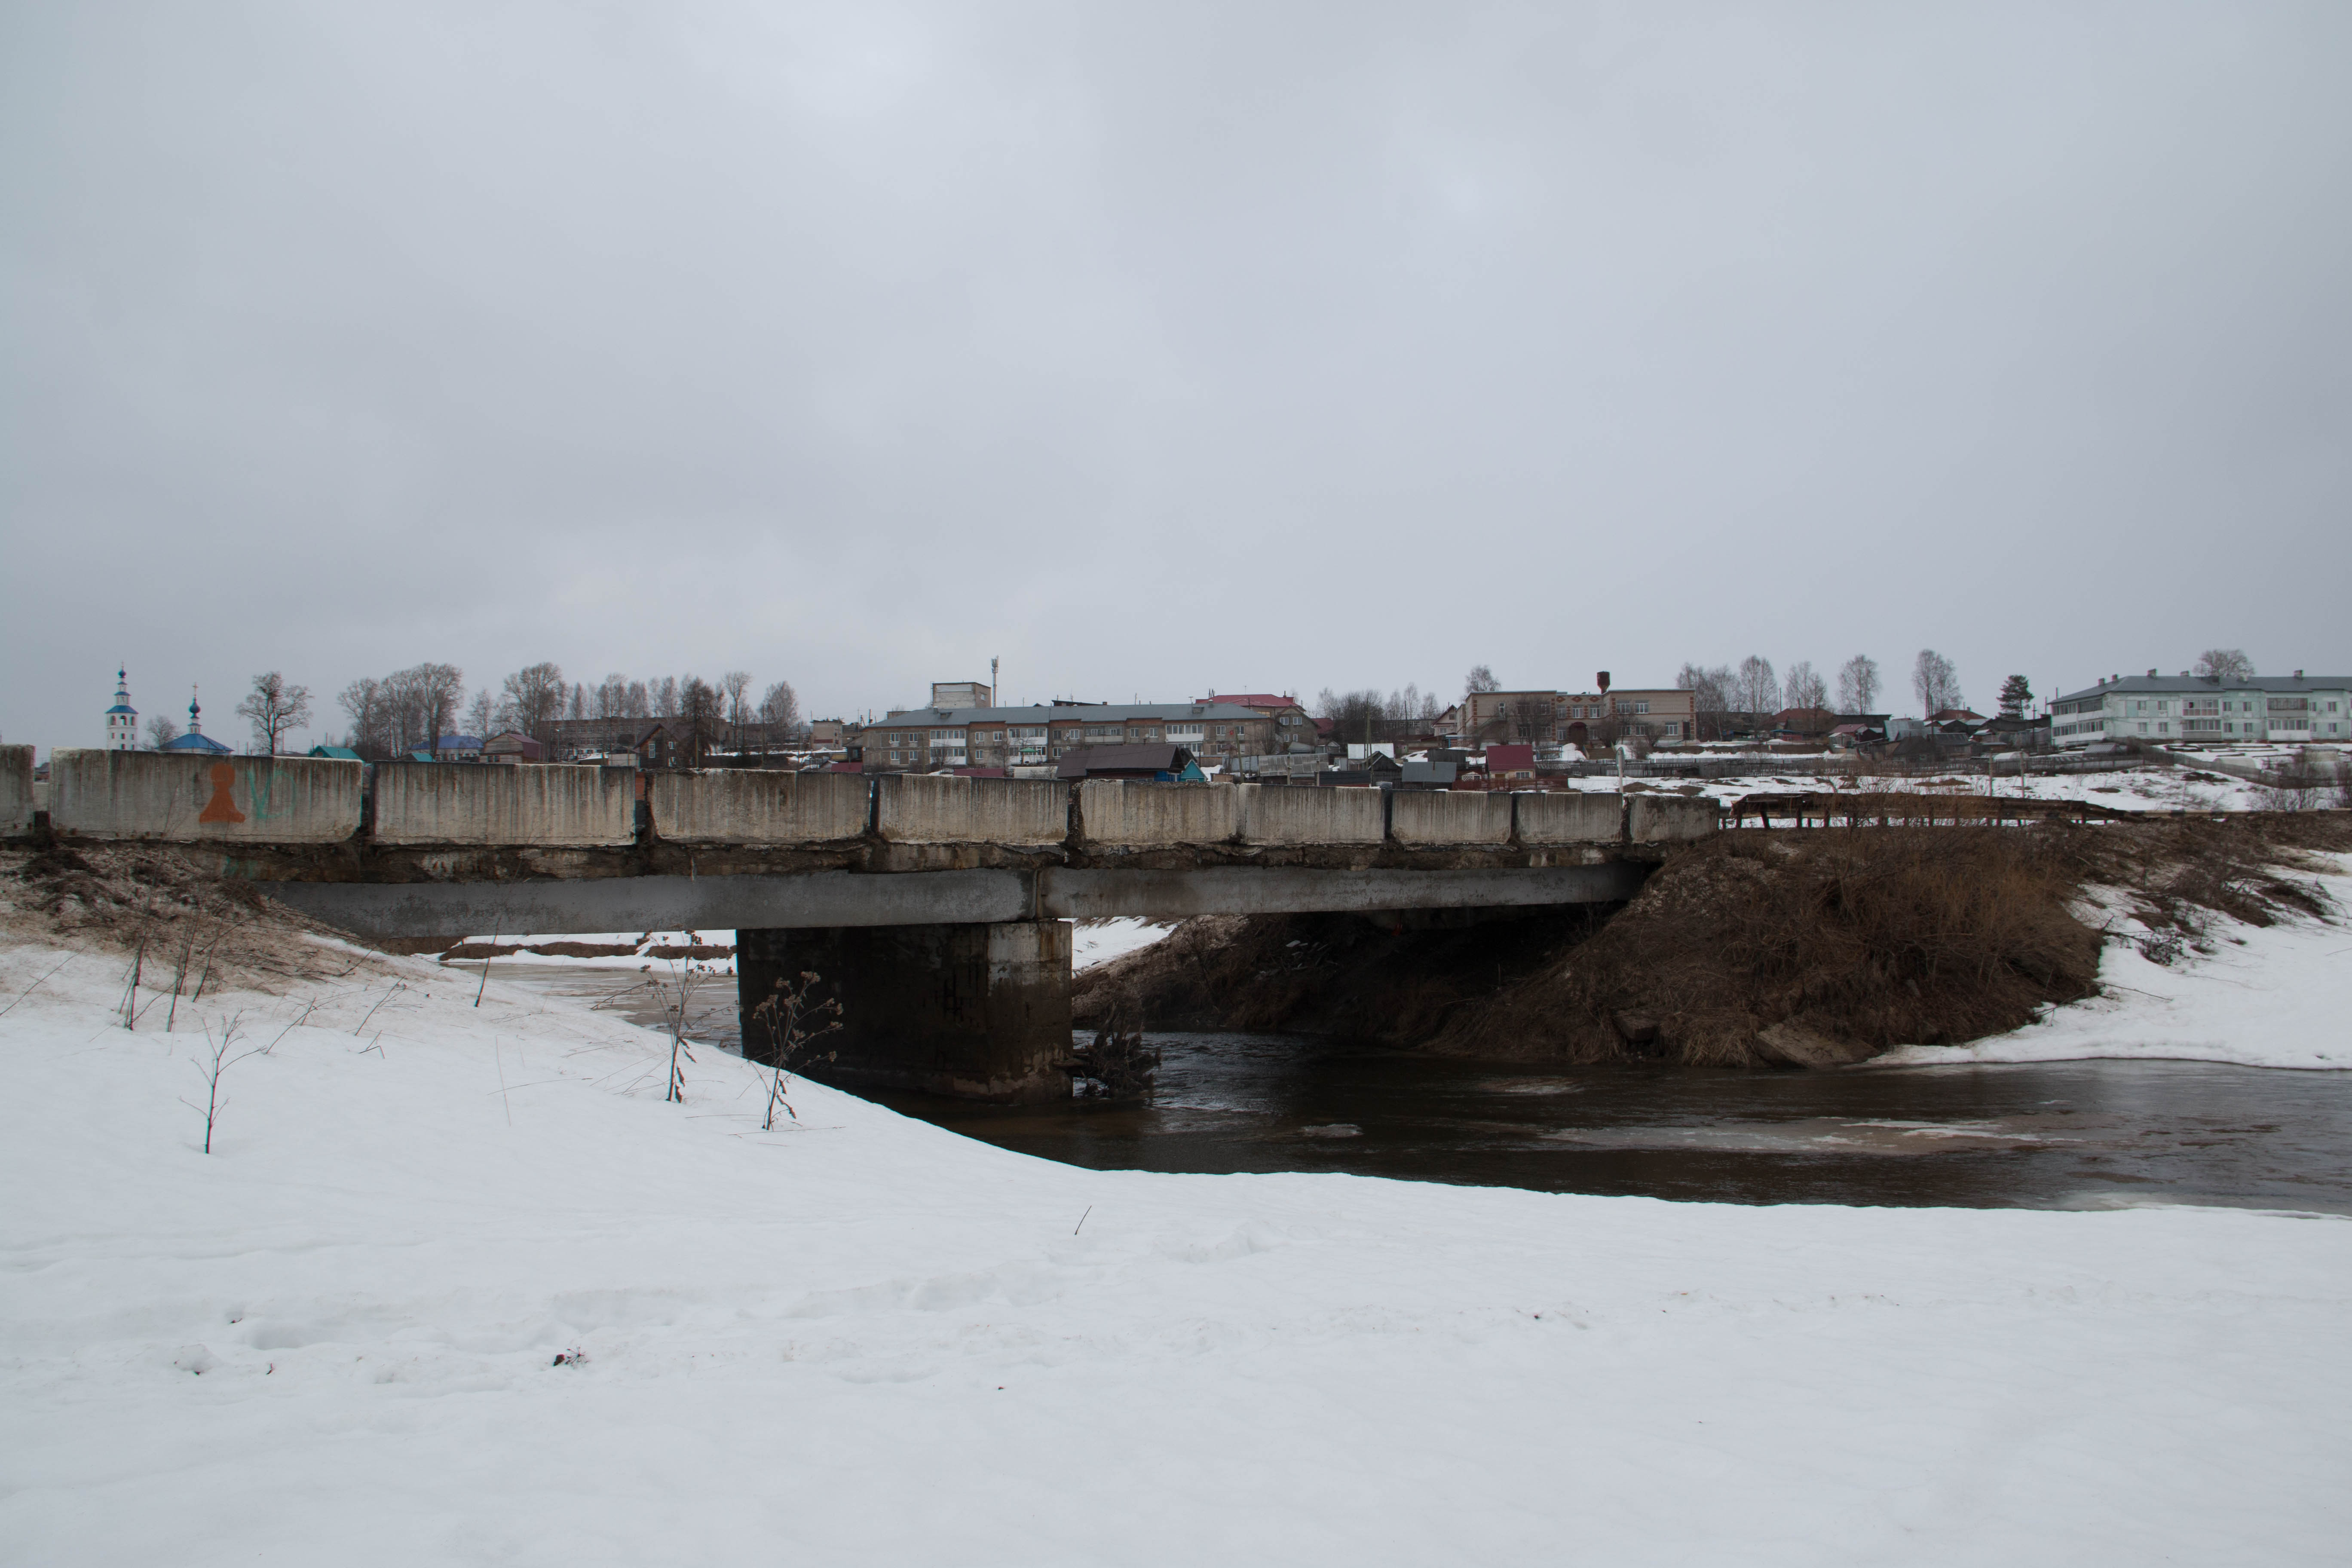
{"points": [[1510, 761]]}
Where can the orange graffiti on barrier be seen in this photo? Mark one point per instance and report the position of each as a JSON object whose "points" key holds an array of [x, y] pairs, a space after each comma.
{"points": [[222, 807]]}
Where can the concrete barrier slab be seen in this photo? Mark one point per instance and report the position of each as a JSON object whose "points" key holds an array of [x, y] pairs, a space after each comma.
{"points": [[16, 796], [1140, 812], [527, 805], [746, 806], [1286, 814], [178, 798], [1449, 817], [937, 808], [1669, 819], [1597, 817]]}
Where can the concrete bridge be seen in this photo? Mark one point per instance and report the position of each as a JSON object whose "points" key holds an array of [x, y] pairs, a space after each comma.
{"points": [[935, 905]]}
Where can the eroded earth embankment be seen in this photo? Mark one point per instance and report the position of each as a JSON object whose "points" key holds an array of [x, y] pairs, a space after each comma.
{"points": [[1807, 948]]}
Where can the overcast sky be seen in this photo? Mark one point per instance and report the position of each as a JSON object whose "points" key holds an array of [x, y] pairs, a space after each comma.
{"points": [[1159, 348]]}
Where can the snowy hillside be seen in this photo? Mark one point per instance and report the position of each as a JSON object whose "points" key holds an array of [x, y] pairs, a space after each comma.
{"points": [[457, 1285]]}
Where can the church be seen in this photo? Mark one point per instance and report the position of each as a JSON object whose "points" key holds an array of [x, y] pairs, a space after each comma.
{"points": [[123, 725]]}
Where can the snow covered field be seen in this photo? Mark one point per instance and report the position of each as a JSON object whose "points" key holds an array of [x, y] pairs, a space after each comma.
{"points": [[864, 1339]]}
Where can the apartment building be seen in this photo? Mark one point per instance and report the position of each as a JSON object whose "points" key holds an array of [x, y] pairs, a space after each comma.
{"points": [[930, 738], [1575, 718], [1293, 725], [2271, 709]]}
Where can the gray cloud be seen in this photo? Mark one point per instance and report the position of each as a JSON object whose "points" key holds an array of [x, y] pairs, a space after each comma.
{"points": [[1153, 347]]}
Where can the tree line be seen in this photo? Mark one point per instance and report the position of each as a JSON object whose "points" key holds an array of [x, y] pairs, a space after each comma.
{"points": [[410, 709]]}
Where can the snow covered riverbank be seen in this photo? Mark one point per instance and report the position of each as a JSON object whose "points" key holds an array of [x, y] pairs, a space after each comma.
{"points": [[2273, 996], [863, 1339]]}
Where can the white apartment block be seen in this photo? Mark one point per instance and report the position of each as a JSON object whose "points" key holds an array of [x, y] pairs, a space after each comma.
{"points": [[2261, 709]]}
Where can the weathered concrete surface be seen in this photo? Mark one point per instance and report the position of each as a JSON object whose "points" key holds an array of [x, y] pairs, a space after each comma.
{"points": [[813, 899], [1129, 811], [662, 903], [16, 790], [1669, 819], [980, 1012], [1444, 816], [1280, 890], [1280, 813], [931, 808], [535, 804], [747, 805], [166, 795], [1569, 818]]}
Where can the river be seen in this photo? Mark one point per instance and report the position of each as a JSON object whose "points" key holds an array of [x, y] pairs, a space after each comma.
{"points": [[2087, 1134]]}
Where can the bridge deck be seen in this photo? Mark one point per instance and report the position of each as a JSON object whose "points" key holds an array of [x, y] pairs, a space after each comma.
{"points": [[832, 899]]}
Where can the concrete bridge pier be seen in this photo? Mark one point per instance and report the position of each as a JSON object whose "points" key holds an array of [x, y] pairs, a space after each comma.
{"points": [[978, 1012]]}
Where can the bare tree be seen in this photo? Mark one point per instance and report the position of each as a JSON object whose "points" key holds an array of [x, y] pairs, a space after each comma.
{"points": [[1756, 691], [480, 714], [611, 696], [637, 702], [578, 707], [1936, 681], [2225, 664], [1481, 679], [363, 700], [1710, 693], [531, 699], [421, 705], [1857, 684], [161, 732], [274, 707], [1804, 688], [1356, 716], [699, 714], [666, 697], [780, 710], [733, 687]]}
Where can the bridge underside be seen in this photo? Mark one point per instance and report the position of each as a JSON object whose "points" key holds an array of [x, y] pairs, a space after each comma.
{"points": [[954, 983], [829, 900]]}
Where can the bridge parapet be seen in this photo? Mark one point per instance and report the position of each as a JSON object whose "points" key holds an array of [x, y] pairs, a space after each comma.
{"points": [[1569, 818], [534, 806], [747, 805], [16, 790], [1134, 813], [171, 797], [1670, 820], [1280, 815], [1437, 817], [932, 808]]}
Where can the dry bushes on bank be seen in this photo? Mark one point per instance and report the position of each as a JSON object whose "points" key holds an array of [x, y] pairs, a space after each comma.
{"points": [[167, 911], [1813, 946], [1850, 942]]}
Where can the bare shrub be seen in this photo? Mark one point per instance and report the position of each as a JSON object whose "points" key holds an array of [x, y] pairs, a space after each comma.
{"points": [[784, 1027], [221, 1054]]}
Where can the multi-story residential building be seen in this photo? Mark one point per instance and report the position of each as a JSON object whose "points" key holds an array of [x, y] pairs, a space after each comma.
{"points": [[2168, 707], [930, 737], [1574, 717], [1293, 725]]}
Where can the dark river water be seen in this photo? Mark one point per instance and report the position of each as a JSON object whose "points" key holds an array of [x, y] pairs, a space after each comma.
{"points": [[2089, 1135]]}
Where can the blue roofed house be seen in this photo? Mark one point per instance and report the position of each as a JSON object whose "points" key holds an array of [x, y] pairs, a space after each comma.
{"points": [[195, 742]]}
